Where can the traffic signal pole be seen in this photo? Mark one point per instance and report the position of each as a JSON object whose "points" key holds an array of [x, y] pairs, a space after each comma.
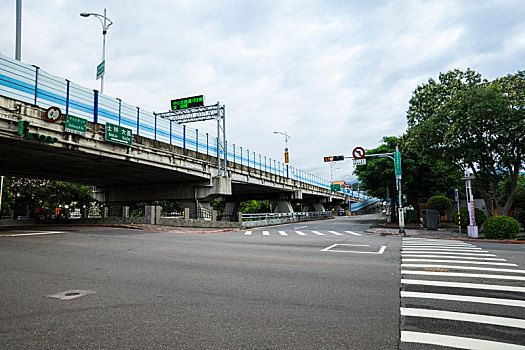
{"points": [[396, 157]]}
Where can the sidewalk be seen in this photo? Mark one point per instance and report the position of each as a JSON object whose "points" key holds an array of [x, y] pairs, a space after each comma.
{"points": [[413, 231]]}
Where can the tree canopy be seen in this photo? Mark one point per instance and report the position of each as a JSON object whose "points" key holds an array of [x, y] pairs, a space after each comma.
{"points": [[474, 124]]}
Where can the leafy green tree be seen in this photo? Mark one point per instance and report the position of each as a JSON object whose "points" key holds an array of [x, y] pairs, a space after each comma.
{"points": [[472, 124]]}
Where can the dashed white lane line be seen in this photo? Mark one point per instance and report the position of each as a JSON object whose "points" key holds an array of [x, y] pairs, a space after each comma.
{"points": [[456, 274], [456, 342], [462, 268], [450, 257], [248, 233], [283, 233], [266, 233], [466, 298], [300, 227], [31, 234], [318, 233], [353, 233], [460, 262], [335, 233], [463, 285], [461, 316], [300, 233]]}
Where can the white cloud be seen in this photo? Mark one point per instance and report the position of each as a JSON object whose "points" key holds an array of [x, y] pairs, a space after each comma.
{"points": [[333, 74]]}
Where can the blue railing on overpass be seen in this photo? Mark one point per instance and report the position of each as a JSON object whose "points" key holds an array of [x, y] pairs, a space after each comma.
{"points": [[33, 85]]}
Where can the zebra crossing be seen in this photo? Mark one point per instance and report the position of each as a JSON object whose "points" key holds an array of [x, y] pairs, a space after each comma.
{"points": [[457, 295], [301, 233]]}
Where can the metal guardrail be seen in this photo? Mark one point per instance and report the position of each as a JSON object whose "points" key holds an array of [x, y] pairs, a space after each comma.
{"points": [[299, 215]]}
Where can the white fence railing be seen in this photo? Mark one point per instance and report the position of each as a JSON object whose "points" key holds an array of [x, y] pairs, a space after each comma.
{"points": [[265, 219]]}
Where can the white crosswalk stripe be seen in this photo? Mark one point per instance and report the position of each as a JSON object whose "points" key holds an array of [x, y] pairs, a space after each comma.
{"points": [[296, 232], [353, 233], [426, 265]]}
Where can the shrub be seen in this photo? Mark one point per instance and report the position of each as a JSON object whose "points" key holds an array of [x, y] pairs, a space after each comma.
{"points": [[440, 203], [501, 227], [479, 215]]}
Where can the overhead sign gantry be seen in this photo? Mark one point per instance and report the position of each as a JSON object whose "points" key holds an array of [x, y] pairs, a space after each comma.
{"points": [[192, 109]]}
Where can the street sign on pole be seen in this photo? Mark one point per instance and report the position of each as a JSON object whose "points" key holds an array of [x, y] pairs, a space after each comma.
{"points": [[101, 68], [358, 153], [361, 161], [397, 163]]}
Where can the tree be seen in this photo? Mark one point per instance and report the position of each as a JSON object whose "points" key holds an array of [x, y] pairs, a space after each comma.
{"points": [[421, 178], [472, 124]]}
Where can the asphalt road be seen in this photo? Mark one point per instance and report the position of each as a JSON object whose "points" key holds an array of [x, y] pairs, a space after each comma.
{"points": [[201, 291], [314, 285]]}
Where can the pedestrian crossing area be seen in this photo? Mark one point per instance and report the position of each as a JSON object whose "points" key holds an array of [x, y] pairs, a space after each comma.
{"points": [[300, 233], [457, 295]]}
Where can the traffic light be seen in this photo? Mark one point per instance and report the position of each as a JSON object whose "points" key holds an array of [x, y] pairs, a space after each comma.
{"points": [[404, 198], [334, 158], [23, 127]]}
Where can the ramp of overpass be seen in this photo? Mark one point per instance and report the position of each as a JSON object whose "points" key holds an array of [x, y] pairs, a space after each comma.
{"points": [[164, 161]]}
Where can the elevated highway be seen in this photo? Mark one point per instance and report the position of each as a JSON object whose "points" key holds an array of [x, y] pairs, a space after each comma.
{"points": [[162, 160]]}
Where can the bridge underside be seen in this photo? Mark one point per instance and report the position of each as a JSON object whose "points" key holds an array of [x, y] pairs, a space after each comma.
{"points": [[35, 160]]}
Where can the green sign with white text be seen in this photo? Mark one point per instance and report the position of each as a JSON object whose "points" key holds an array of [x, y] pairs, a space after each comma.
{"points": [[118, 134], [76, 125], [101, 68], [397, 163]]}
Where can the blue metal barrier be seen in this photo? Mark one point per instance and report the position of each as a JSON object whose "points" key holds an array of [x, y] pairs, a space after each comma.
{"points": [[33, 85]]}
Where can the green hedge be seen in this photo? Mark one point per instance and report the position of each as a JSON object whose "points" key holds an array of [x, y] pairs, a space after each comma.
{"points": [[501, 227], [479, 215]]}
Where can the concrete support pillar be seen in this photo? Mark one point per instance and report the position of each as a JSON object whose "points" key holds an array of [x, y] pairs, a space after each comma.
{"points": [[104, 212], [318, 207], [239, 217], [214, 215], [149, 213], [84, 212], [283, 207], [186, 213]]}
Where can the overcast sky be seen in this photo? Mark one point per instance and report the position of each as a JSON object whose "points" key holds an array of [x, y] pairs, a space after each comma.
{"points": [[333, 74]]}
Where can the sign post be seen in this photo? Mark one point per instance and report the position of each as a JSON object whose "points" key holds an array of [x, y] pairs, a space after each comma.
{"points": [[456, 197]]}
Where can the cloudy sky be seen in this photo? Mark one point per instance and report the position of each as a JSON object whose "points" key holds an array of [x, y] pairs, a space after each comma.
{"points": [[332, 74]]}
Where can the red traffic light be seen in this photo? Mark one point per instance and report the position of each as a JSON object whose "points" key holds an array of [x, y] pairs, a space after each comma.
{"points": [[334, 158]]}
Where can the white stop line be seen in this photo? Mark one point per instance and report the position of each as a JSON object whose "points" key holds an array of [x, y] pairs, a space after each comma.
{"points": [[329, 249]]}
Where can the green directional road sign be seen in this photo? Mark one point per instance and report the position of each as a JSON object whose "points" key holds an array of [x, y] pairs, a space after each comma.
{"points": [[335, 187], [397, 163], [101, 68], [118, 134], [76, 125]]}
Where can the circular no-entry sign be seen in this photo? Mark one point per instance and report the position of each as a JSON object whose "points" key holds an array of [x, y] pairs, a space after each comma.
{"points": [[358, 153], [52, 114]]}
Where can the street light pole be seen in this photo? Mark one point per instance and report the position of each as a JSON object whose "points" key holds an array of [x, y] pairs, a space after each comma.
{"points": [[18, 43], [104, 21]]}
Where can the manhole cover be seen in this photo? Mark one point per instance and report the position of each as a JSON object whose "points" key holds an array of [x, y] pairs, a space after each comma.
{"points": [[70, 294]]}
